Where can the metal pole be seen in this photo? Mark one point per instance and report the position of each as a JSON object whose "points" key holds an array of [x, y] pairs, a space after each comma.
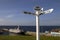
{"points": [[37, 26]]}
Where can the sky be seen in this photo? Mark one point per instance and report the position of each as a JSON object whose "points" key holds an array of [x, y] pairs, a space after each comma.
{"points": [[11, 12]]}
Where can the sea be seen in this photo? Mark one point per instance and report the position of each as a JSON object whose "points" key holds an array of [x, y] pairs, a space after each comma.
{"points": [[31, 28]]}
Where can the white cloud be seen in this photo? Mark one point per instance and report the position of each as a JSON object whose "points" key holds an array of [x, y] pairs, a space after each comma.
{"points": [[1, 19], [9, 16]]}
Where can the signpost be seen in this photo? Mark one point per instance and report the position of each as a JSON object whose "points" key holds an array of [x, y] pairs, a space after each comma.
{"points": [[39, 11]]}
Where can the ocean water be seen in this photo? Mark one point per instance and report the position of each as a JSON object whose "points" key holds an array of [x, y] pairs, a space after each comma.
{"points": [[32, 28]]}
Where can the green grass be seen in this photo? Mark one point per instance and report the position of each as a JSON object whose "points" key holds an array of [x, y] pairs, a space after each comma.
{"points": [[21, 37], [50, 38]]}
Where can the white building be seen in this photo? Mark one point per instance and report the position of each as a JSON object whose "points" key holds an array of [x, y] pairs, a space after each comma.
{"points": [[55, 33]]}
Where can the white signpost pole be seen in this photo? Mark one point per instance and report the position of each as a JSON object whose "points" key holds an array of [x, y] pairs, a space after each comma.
{"points": [[37, 27], [37, 23]]}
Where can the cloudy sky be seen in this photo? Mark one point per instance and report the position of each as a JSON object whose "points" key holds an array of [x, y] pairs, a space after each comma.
{"points": [[11, 12]]}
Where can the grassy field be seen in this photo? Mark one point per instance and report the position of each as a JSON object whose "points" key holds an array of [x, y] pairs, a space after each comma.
{"points": [[21, 37]]}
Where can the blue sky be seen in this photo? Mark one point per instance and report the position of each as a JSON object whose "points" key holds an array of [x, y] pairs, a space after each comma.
{"points": [[11, 12]]}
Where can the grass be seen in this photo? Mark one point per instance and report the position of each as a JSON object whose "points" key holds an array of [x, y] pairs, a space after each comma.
{"points": [[21, 37], [50, 38]]}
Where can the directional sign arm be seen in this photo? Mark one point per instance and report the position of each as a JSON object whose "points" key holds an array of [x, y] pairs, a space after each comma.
{"points": [[29, 13], [48, 11]]}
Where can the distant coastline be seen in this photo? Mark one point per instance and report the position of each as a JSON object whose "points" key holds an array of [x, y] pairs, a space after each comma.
{"points": [[30, 28]]}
